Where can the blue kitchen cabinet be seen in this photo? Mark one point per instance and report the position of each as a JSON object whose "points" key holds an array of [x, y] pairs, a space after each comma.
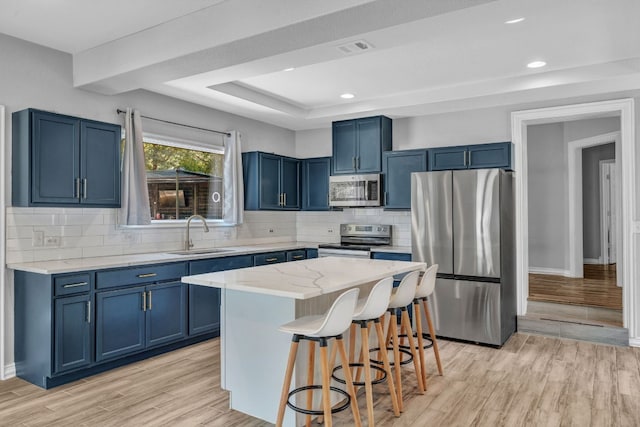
{"points": [[133, 319], [312, 253], [150, 309], [270, 258], [495, 155], [271, 182], [73, 333], [296, 255], [61, 160], [204, 302], [358, 144], [397, 167], [315, 183], [166, 315], [120, 322]]}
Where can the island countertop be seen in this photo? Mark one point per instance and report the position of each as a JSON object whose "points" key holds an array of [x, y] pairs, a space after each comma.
{"points": [[304, 279]]}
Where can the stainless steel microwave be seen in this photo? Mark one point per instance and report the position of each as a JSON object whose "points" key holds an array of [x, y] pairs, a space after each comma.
{"points": [[354, 190]]}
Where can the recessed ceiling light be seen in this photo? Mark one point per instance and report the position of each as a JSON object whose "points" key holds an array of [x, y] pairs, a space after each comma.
{"points": [[536, 64], [514, 21], [289, 69], [347, 96]]}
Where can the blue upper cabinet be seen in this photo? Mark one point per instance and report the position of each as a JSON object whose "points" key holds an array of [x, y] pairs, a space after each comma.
{"points": [[64, 161], [496, 155], [315, 183], [358, 144], [397, 167], [271, 182]]}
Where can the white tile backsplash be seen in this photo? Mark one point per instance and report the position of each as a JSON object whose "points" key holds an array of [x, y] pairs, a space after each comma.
{"points": [[87, 233]]}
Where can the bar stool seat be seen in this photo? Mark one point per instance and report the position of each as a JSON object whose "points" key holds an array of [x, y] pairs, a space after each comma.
{"points": [[423, 291], [320, 329], [368, 311], [401, 298]]}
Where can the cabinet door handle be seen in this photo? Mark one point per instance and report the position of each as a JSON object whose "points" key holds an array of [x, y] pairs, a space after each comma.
{"points": [[298, 257], [353, 162], [469, 157], [142, 276], [271, 259], [84, 188], [465, 158], [280, 199], [149, 306], [284, 199], [76, 193], [75, 285], [144, 301], [358, 162], [385, 198], [88, 311]]}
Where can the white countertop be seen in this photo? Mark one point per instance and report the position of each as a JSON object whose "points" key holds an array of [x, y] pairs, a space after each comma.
{"points": [[82, 264], [304, 279]]}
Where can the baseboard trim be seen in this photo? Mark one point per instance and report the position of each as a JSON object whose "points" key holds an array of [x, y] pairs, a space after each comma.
{"points": [[593, 261], [550, 271], [634, 342], [9, 371]]}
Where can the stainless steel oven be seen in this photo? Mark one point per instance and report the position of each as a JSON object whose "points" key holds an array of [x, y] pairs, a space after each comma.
{"points": [[356, 240]]}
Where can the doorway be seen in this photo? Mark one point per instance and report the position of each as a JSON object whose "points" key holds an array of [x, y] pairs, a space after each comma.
{"points": [[624, 109]]}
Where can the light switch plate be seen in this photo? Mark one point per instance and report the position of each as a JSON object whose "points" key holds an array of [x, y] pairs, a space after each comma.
{"points": [[37, 238]]}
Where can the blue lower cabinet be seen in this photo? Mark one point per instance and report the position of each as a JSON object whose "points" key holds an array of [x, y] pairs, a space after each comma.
{"points": [[312, 253], [270, 258], [166, 313], [120, 322], [72, 335], [296, 255], [204, 302]]}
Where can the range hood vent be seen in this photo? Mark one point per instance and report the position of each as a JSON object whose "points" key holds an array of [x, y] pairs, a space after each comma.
{"points": [[355, 47]]}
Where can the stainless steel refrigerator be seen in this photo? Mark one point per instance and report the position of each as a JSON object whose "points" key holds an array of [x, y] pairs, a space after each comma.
{"points": [[464, 221]]}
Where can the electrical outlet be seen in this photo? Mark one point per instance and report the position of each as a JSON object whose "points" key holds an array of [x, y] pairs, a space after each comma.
{"points": [[271, 230], [37, 239], [52, 241], [330, 230]]}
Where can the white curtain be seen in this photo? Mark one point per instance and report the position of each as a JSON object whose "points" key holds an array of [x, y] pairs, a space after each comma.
{"points": [[134, 208], [233, 183]]}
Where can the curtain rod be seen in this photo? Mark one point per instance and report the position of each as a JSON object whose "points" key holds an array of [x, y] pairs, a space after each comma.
{"points": [[119, 111]]}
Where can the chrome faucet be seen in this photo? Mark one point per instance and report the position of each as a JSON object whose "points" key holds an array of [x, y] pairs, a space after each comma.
{"points": [[188, 244]]}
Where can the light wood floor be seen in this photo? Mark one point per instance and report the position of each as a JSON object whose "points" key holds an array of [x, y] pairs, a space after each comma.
{"points": [[533, 381], [597, 288]]}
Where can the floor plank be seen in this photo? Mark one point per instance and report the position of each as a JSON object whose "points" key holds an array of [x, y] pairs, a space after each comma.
{"points": [[533, 381]]}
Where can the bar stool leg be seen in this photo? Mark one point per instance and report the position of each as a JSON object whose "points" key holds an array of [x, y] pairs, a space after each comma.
{"points": [[393, 329], [310, 375], [326, 382], [406, 325], [367, 372], [432, 332], [287, 379], [418, 317], [349, 380], [387, 369], [352, 342]]}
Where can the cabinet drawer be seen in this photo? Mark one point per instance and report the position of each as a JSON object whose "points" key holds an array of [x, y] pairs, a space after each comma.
{"points": [[220, 264], [393, 256], [137, 275], [72, 284], [270, 258], [296, 255]]}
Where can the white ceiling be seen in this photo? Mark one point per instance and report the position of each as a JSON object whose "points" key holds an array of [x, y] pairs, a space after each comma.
{"points": [[427, 56]]}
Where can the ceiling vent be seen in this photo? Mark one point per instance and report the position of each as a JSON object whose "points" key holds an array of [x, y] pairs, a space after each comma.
{"points": [[355, 47]]}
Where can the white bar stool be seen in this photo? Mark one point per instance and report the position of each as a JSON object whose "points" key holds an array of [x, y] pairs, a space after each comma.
{"points": [[401, 298], [320, 329], [424, 290], [370, 310]]}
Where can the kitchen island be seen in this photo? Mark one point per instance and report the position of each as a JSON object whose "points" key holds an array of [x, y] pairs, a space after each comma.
{"points": [[255, 301]]}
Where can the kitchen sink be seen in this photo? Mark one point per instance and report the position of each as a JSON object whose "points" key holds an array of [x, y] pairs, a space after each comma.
{"points": [[201, 251]]}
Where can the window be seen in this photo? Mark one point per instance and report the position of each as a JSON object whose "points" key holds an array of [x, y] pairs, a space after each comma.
{"points": [[183, 179]]}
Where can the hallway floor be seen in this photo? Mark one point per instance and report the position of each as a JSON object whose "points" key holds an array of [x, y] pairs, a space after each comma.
{"points": [[594, 298]]}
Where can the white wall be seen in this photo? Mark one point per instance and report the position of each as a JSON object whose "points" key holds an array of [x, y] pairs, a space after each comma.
{"points": [[547, 192], [32, 76]]}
